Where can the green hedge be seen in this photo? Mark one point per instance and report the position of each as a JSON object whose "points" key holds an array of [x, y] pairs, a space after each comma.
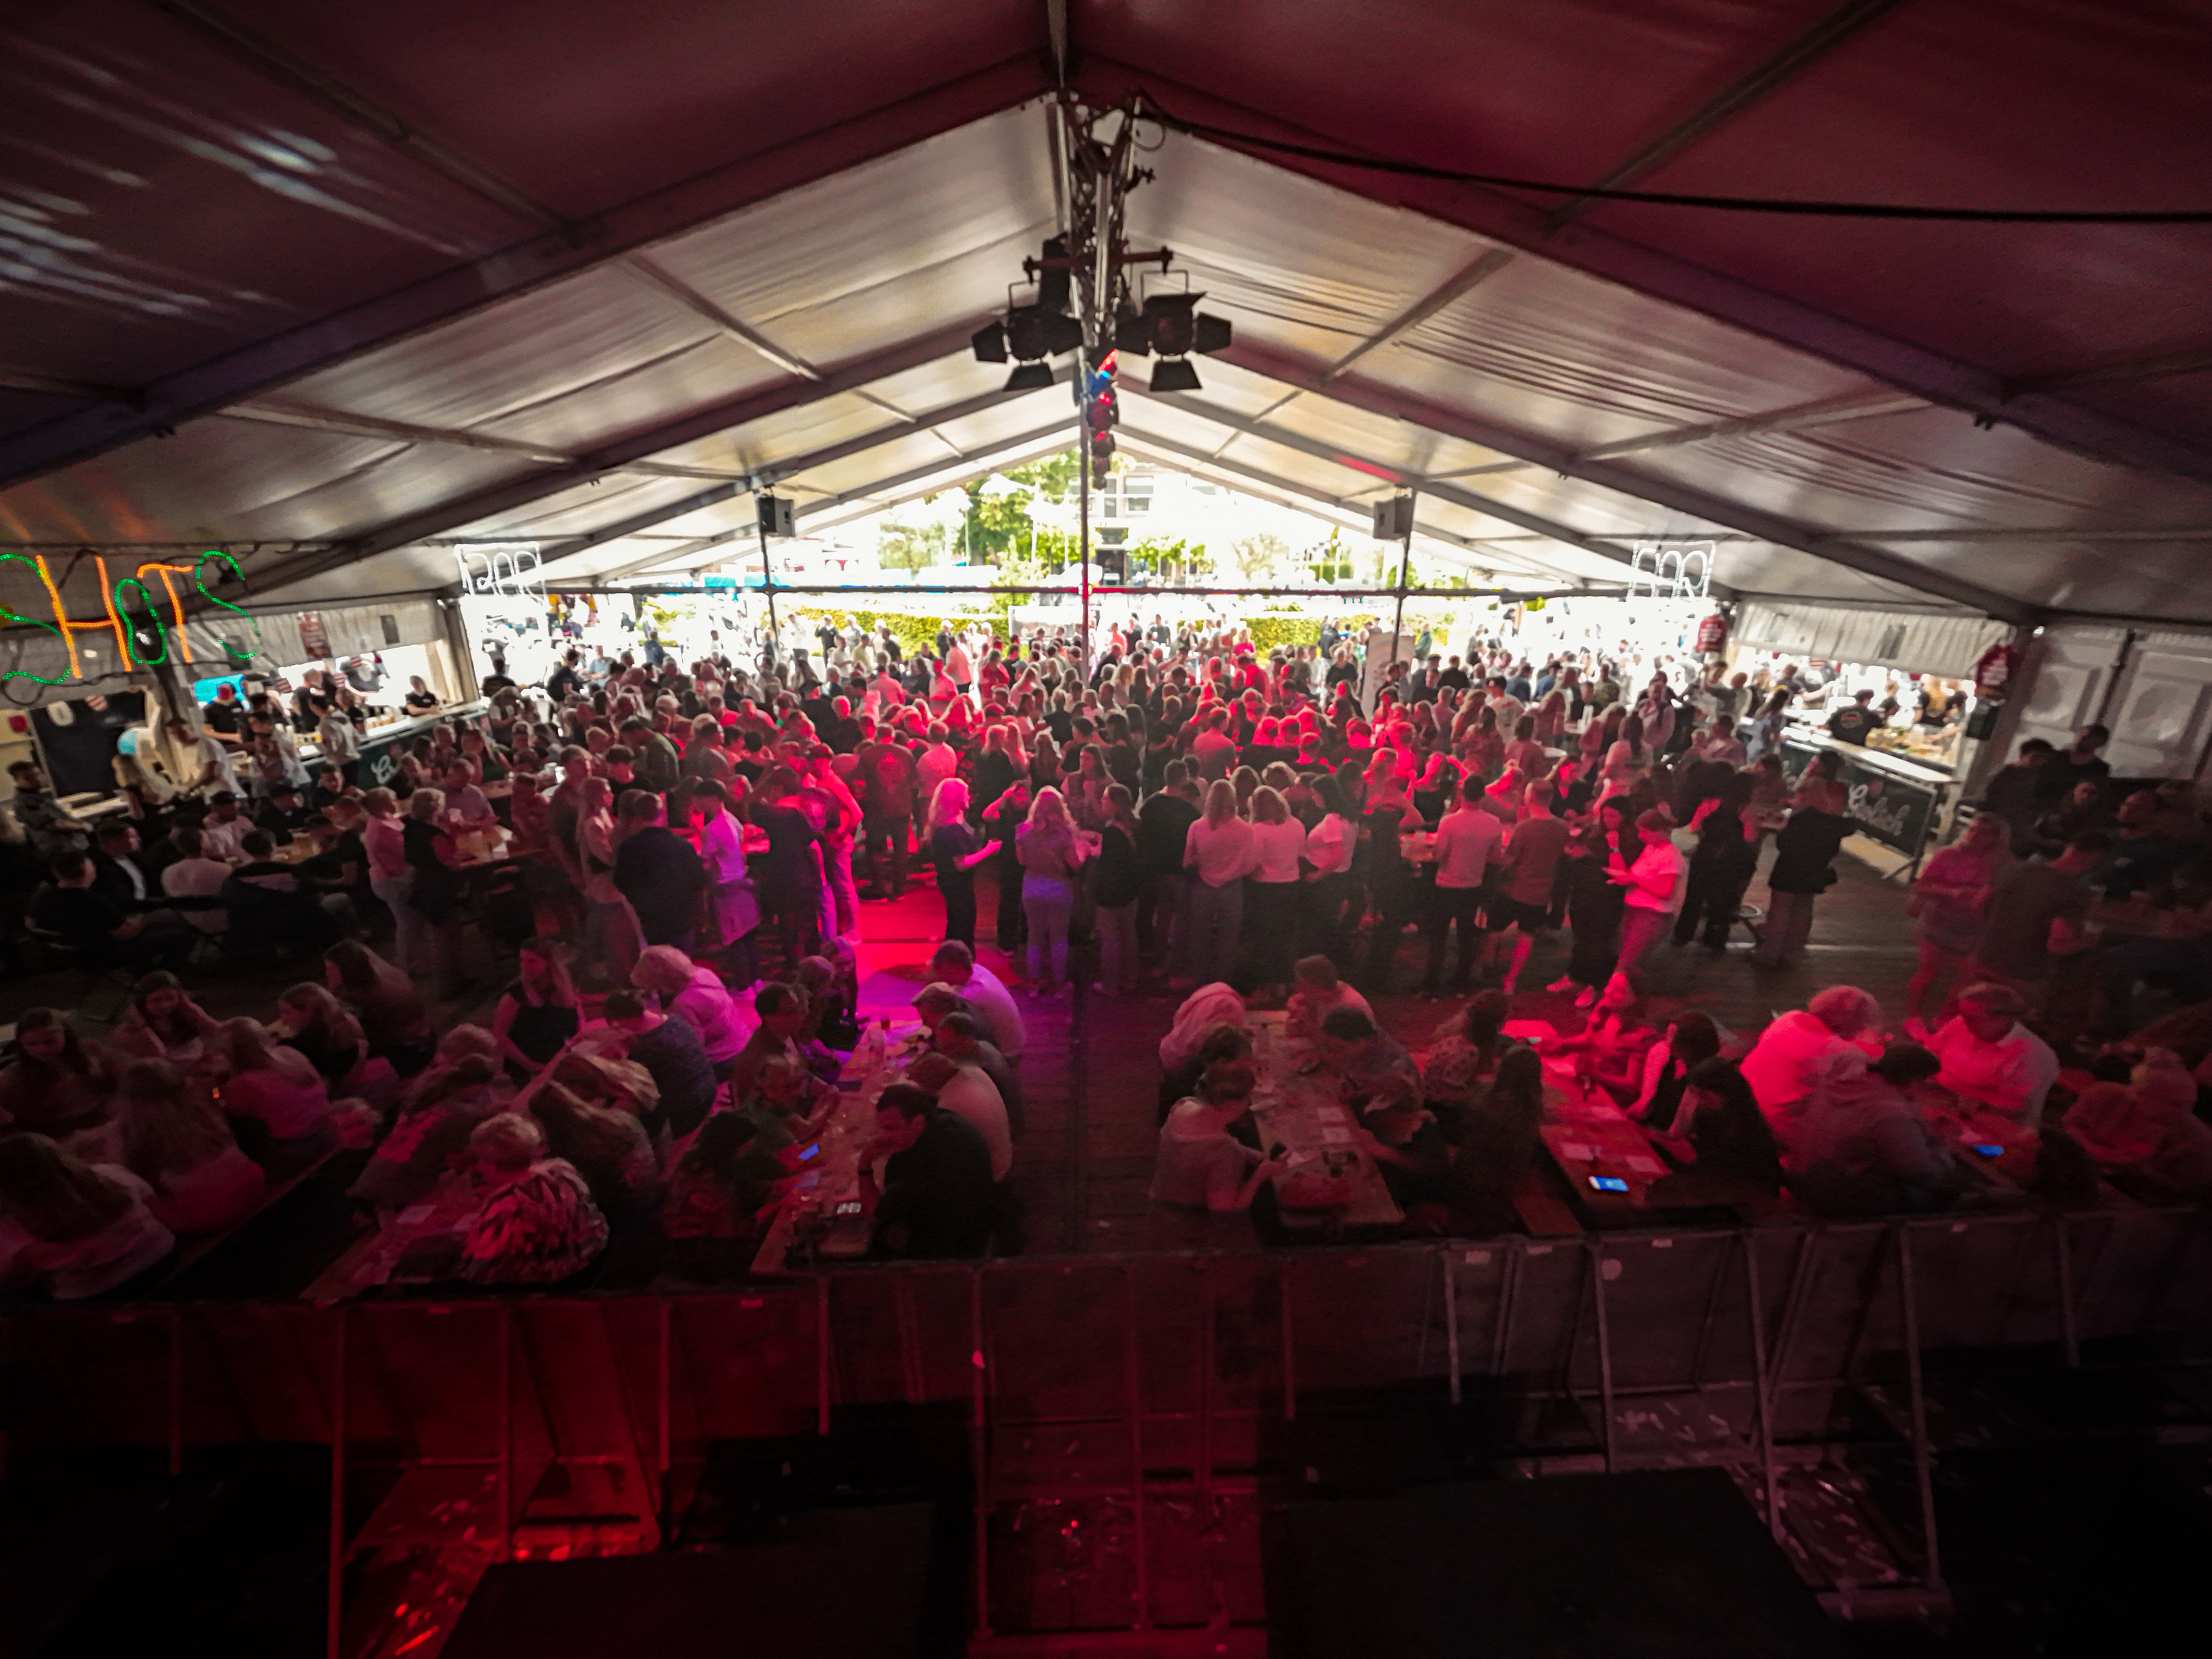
{"points": [[1269, 632]]}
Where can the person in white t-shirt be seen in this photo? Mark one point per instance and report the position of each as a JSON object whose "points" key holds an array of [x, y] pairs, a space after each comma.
{"points": [[1270, 915], [968, 1092], [1218, 852], [1468, 840]]}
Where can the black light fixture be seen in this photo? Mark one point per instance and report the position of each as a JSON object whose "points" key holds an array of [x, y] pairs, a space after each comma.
{"points": [[1175, 375], [989, 343], [1030, 377]]}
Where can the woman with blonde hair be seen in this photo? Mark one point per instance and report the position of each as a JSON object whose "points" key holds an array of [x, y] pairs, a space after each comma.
{"points": [[1219, 848], [955, 849], [1271, 904], [278, 1088], [1052, 856], [315, 1024], [611, 938], [174, 1140]]}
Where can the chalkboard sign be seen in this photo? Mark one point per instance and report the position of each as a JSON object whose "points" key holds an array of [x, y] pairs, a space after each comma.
{"points": [[1897, 811], [80, 755]]}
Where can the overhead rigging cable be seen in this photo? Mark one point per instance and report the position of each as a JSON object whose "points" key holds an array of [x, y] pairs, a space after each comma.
{"points": [[1150, 109]]}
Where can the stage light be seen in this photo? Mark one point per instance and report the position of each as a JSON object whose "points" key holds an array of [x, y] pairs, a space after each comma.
{"points": [[1133, 333], [1030, 377], [1055, 291], [1209, 333], [1173, 329], [1174, 374], [989, 343], [1034, 333]]}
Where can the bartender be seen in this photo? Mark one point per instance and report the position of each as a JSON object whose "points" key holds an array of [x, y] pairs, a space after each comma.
{"points": [[1851, 723], [225, 715]]}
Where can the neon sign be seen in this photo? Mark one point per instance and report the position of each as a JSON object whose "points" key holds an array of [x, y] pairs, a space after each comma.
{"points": [[1677, 571], [501, 570], [144, 639]]}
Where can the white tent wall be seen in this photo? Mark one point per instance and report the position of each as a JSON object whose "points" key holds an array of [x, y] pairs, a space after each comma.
{"points": [[2153, 690], [1945, 643], [276, 640]]}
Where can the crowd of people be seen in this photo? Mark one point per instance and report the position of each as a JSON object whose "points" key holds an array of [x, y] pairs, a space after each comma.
{"points": [[683, 854]]}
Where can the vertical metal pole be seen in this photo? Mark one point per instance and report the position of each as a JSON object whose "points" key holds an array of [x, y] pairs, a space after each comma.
{"points": [[978, 1456], [1604, 1348], [1451, 1321], [1405, 570], [1132, 1388], [506, 1433], [664, 1453], [1083, 522], [176, 1393], [1204, 1381], [2069, 1324], [821, 1356], [767, 578], [1923, 1455], [334, 1606], [1762, 1390], [1290, 1343]]}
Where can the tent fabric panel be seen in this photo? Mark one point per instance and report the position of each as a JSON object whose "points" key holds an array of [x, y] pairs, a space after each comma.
{"points": [[760, 445], [569, 337], [1586, 362], [197, 206], [226, 479], [1760, 567], [2068, 103], [1944, 644], [2180, 403], [585, 108], [583, 508], [982, 186], [1272, 247], [352, 629]]}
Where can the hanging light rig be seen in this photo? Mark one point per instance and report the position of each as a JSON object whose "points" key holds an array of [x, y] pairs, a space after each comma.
{"points": [[1085, 300]]}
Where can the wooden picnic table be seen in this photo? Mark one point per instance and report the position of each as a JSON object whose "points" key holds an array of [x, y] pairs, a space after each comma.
{"points": [[374, 1260], [820, 1216], [1300, 1111]]}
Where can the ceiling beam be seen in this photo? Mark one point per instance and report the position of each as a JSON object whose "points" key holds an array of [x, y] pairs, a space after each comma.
{"points": [[47, 386], [1453, 494], [1661, 276], [1867, 559], [272, 411], [987, 458], [1173, 453], [461, 290], [2196, 362]]}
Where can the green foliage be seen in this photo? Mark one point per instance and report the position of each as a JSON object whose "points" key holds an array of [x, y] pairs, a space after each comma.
{"points": [[909, 546], [1257, 557], [1334, 560], [1052, 478], [1268, 632], [912, 630]]}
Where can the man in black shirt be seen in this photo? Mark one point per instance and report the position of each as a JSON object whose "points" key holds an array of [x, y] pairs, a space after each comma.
{"points": [[1162, 829], [658, 872], [2079, 765], [92, 924], [1851, 723], [223, 715], [117, 875], [938, 1198], [285, 814]]}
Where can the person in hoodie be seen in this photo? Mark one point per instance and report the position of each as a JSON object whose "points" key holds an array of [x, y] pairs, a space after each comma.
{"points": [[1861, 1147]]}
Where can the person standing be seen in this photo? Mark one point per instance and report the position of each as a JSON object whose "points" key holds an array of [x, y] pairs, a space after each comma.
{"points": [[1052, 858], [1596, 905], [1467, 838], [1946, 903], [735, 911], [1720, 865], [1270, 924], [791, 875], [1120, 880], [1804, 867], [1162, 832], [887, 796], [955, 849], [658, 873], [2034, 918], [1218, 852], [1650, 885], [1522, 898]]}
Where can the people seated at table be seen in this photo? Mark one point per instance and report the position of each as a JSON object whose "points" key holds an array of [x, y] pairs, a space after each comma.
{"points": [[832, 1021], [1203, 1177], [668, 1046], [172, 1137], [268, 902], [593, 1108], [788, 1103], [954, 964], [1798, 1048], [936, 1199], [1410, 1152], [539, 1011], [274, 1089], [312, 1021], [967, 1091], [1990, 1060], [1315, 989], [963, 1037], [163, 1021], [1718, 1134], [1357, 1051], [117, 875], [58, 1084], [538, 1224], [72, 1228], [711, 1216], [1861, 1147], [697, 994], [1690, 1040], [1497, 1138], [782, 1010], [96, 930], [393, 1018], [429, 1132], [1610, 1049], [193, 881], [2144, 1134], [1466, 1048]]}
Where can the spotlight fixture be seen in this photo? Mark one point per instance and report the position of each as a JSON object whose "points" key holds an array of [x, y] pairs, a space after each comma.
{"points": [[1030, 377], [1174, 374], [989, 343], [1034, 333]]}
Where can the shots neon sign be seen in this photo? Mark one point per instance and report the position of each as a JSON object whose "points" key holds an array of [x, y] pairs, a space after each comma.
{"points": [[133, 597]]}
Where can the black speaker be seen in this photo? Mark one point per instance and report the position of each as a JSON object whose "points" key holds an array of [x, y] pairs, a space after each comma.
{"points": [[776, 517]]}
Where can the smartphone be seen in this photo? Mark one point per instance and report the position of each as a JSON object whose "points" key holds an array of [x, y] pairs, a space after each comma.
{"points": [[1608, 1183], [807, 1154], [850, 1206], [1987, 1151]]}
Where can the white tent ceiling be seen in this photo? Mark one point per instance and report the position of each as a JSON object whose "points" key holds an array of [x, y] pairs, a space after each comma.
{"points": [[332, 296]]}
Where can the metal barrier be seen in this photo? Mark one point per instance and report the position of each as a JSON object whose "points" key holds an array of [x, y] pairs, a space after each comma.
{"points": [[1769, 1349]]}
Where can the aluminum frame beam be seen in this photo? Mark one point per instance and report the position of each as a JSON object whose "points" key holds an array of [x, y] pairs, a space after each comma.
{"points": [[1865, 558], [1929, 374], [714, 194]]}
